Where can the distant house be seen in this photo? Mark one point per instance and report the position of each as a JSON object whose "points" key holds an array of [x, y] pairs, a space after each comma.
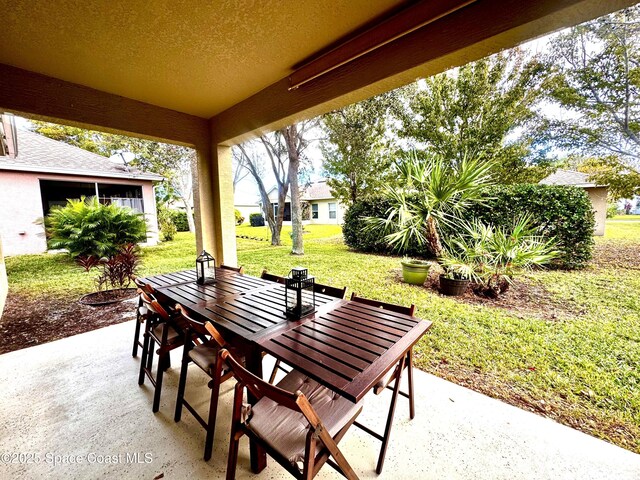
{"points": [[324, 208], [246, 205], [46, 172], [597, 193]]}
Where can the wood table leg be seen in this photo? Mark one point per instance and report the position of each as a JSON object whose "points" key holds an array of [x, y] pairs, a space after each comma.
{"points": [[258, 454]]}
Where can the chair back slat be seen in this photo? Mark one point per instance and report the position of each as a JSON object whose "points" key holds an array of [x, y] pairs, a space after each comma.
{"points": [[385, 306], [258, 387], [188, 322], [329, 290], [271, 277], [233, 269], [152, 304], [145, 287]]}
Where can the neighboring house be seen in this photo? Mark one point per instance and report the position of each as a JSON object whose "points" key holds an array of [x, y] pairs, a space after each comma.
{"points": [[246, 205], [597, 193], [324, 208], [46, 172]]}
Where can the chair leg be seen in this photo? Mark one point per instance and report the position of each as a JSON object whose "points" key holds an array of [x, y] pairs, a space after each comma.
{"points": [[182, 385], [412, 409], [211, 423], [136, 337], [274, 372], [156, 394], [232, 461], [392, 409], [144, 359], [166, 364]]}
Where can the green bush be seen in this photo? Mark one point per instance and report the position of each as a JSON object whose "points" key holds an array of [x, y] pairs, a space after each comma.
{"points": [[239, 217], [180, 221], [362, 239], [86, 227], [612, 210], [166, 224], [561, 212], [256, 220]]}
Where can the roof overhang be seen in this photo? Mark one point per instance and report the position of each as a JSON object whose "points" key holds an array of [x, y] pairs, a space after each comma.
{"points": [[74, 172]]}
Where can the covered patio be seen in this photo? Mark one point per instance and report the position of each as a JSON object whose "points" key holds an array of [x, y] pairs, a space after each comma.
{"points": [[78, 397], [220, 75]]}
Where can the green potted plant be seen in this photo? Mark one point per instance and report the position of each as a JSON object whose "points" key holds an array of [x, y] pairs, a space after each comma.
{"points": [[415, 272]]}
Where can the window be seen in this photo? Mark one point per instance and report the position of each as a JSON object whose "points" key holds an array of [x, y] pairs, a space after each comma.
{"points": [[332, 210], [314, 211]]}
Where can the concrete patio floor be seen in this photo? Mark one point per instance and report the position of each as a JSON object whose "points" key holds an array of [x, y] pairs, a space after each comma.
{"points": [[79, 397]]}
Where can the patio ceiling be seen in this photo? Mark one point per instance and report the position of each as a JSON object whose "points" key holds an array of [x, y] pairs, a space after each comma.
{"points": [[229, 61]]}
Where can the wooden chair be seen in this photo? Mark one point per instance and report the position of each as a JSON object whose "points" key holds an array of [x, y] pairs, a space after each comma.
{"points": [[205, 356], [233, 269], [390, 376], [162, 330], [299, 430], [142, 312], [271, 277], [318, 288]]}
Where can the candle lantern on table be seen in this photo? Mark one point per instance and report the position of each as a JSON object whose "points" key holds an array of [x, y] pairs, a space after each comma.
{"points": [[205, 269], [300, 297]]}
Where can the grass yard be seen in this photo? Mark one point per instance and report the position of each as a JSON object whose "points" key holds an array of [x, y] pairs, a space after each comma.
{"points": [[578, 365]]}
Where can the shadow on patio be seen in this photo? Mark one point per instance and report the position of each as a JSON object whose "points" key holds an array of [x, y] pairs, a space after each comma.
{"points": [[79, 397]]}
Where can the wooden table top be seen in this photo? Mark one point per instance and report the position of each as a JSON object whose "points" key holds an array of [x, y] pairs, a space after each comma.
{"points": [[347, 347]]}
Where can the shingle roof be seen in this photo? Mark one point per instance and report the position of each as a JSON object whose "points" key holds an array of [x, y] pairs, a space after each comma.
{"points": [[569, 177], [317, 191], [37, 153]]}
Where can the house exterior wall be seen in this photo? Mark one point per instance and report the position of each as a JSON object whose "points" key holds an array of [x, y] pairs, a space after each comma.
{"points": [[598, 197], [21, 207], [246, 210], [323, 212]]}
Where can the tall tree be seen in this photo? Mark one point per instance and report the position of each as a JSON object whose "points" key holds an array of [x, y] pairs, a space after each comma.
{"points": [[484, 110], [596, 77], [355, 149]]}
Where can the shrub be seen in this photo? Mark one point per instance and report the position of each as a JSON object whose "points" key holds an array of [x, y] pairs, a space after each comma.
{"points": [[86, 227], [239, 217], [256, 220], [363, 239], [180, 221], [491, 256], [166, 225], [612, 210], [117, 270], [560, 212]]}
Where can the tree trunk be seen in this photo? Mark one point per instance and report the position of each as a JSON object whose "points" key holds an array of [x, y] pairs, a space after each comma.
{"points": [[282, 200], [433, 237], [189, 210], [291, 138]]}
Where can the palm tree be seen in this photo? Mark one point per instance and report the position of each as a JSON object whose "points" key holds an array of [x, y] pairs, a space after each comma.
{"points": [[435, 191]]}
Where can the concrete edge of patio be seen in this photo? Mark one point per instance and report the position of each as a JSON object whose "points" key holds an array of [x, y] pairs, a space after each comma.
{"points": [[79, 396]]}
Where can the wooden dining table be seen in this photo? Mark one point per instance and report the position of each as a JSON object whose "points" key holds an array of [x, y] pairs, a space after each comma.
{"points": [[344, 345]]}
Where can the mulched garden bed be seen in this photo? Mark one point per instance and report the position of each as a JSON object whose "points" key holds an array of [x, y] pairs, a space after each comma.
{"points": [[28, 321]]}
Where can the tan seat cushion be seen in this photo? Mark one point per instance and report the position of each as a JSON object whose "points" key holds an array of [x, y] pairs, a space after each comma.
{"points": [[285, 430], [172, 336]]}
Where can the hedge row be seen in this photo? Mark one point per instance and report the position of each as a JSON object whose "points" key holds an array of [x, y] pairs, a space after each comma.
{"points": [[561, 212], [179, 218]]}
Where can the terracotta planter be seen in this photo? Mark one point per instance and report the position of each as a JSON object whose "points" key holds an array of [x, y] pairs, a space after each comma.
{"points": [[452, 286], [415, 273]]}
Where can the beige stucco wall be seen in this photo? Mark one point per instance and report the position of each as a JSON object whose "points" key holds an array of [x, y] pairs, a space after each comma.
{"points": [[4, 285], [21, 208], [323, 212], [598, 197]]}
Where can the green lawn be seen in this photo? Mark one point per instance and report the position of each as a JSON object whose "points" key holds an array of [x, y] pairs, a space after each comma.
{"points": [[580, 368]]}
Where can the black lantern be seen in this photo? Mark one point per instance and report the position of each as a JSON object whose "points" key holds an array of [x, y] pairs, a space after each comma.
{"points": [[300, 297], [205, 269]]}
